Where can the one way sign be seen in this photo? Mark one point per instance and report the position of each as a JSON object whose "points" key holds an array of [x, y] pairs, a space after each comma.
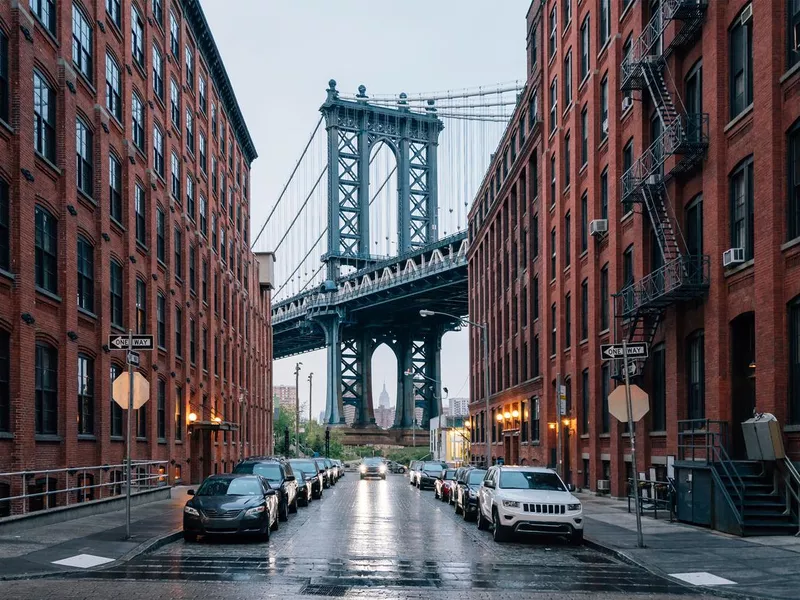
{"points": [[138, 342], [615, 351]]}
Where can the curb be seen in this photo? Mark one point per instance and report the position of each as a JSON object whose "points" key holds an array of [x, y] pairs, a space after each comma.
{"points": [[703, 590]]}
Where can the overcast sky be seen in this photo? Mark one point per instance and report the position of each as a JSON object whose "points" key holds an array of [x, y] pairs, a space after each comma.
{"points": [[280, 55]]}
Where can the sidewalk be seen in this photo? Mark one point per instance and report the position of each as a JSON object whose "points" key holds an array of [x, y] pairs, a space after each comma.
{"points": [[752, 567], [90, 541]]}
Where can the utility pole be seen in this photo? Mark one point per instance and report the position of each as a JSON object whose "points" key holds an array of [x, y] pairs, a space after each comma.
{"points": [[310, 377], [559, 469], [631, 425], [297, 408]]}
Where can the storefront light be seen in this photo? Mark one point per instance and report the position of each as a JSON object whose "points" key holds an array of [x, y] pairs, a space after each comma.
{"points": [[506, 415], [499, 417], [192, 417], [515, 413]]}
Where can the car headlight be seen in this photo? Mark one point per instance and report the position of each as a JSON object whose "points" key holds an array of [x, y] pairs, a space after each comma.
{"points": [[574, 506], [510, 503], [191, 511], [254, 511], [382, 469], [363, 469]]}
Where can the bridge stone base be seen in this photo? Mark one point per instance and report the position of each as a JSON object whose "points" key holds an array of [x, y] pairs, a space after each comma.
{"points": [[385, 437]]}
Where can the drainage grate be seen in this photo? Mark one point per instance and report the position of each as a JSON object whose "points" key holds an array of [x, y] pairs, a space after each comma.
{"points": [[337, 591]]}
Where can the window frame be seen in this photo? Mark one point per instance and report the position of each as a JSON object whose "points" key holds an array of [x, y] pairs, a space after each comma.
{"points": [[86, 414], [5, 226], [141, 305], [84, 158], [137, 37], [45, 117], [115, 187], [46, 13], [140, 212], [137, 121], [82, 43], [745, 170], [85, 272], [161, 320], [46, 253], [740, 33], [46, 390], [158, 71], [695, 375], [116, 312]]}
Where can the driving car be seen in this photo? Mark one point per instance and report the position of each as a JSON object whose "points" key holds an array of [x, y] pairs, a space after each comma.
{"points": [[231, 504], [281, 478], [444, 484], [531, 500], [309, 480], [396, 467], [466, 501], [413, 471], [429, 472], [372, 467]]}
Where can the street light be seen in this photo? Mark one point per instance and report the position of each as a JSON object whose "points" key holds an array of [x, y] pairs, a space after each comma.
{"points": [[485, 337], [410, 373], [297, 408]]}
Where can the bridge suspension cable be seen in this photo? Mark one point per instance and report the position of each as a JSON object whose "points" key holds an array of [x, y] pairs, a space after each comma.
{"points": [[514, 86]]}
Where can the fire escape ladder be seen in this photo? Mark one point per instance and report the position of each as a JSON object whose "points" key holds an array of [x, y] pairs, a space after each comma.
{"points": [[653, 68]]}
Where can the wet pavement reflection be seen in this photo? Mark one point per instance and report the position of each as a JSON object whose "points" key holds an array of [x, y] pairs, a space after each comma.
{"points": [[388, 535]]}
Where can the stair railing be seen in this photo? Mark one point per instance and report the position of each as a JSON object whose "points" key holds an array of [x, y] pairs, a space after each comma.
{"points": [[791, 482]]}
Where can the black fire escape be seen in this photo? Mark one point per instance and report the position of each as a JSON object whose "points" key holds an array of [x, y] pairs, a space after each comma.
{"points": [[678, 150]]}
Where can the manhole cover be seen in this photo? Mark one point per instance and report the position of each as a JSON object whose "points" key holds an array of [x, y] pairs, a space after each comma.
{"points": [[337, 591]]}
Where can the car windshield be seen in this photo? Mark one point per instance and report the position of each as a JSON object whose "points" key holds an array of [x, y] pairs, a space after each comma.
{"points": [[241, 486], [450, 474], [531, 480], [372, 462], [475, 477], [306, 466], [434, 467], [269, 471]]}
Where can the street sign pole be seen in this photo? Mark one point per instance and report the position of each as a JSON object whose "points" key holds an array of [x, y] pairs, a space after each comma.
{"points": [[128, 443], [639, 538], [559, 469]]}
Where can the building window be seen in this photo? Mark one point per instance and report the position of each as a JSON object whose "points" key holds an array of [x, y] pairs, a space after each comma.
{"points": [[115, 277], [192, 268], [213, 119], [568, 321], [158, 72], [179, 420], [585, 135], [535, 419], [116, 409], [205, 349], [567, 161], [141, 423], [44, 117], [137, 119], [553, 253], [141, 306], [627, 164], [175, 104], [45, 11], [626, 50], [604, 298], [85, 275], [189, 66], [604, 392], [553, 329], [161, 417], [112, 8], [605, 21], [794, 362], [203, 218], [553, 32], [567, 239], [742, 221], [659, 362], [161, 319], [567, 6], [535, 240], [158, 12], [204, 284], [82, 47], [585, 401], [174, 32], [158, 150], [192, 342], [178, 332], [604, 108], [189, 130], [585, 48], [175, 169], [585, 309], [201, 144], [693, 97], [115, 187], [190, 205], [793, 33], [535, 294], [627, 267], [84, 157], [740, 38], [793, 144], [695, 370], [214, 232], [604, 194], [568, 79], [552, 180], [214, 174], [201, 93], [137, 36], [536, 370], [113, 86], [46, 258], [85, 395], [178, 242], [584, 222], [5, 228], [694, 226], [554, 104], [141, 221], [161, 242], [46, 390]]}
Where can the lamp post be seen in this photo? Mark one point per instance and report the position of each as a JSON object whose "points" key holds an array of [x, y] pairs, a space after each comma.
{"points": [[485, 338], [310, 377], [297, 408]]}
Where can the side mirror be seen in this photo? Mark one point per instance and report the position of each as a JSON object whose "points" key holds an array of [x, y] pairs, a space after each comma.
{"points": [[270, 493], [290, 478], [190, 492], [488, 484]]}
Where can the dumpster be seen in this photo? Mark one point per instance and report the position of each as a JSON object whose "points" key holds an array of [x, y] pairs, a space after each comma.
{"points": [[762, 437]]}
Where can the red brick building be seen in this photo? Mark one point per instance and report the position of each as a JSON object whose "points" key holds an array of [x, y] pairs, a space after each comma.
{"points": [[633, 162], [124, 203]]}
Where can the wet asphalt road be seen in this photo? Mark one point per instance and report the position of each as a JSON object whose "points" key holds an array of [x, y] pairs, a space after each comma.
{"points": [[364, 539]]}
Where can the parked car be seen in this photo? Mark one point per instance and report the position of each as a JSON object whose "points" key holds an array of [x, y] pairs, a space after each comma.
{"points": [[530, 500], [231, 504], [309, 480], [326, 472], [413, 471], [429, 472], [332, 470], [459, 478], [372, 467], [466, 501], [396, 467], [281, 478], [444, 485], [340, 468]]}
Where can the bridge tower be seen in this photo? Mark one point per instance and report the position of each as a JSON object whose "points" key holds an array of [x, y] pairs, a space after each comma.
{"points": [[355, 128]]}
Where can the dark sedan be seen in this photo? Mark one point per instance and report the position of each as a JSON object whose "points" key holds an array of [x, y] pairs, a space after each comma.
{"points": [[309, 480], [229, 505], [372, 467], [467, 493], [429, 472]]}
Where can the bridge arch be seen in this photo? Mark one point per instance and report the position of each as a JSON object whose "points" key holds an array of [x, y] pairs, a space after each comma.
{"points": [[384, 197]]}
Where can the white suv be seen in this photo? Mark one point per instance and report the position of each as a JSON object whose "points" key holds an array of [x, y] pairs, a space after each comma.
{"points": [[528, 500]]}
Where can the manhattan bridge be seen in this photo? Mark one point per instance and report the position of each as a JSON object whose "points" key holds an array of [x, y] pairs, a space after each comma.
{"points": [[370, 228]]}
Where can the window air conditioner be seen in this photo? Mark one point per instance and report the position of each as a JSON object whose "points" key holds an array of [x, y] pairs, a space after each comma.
{"points": [[598, 226], [732, 257], [627, 102], [603, 485]]}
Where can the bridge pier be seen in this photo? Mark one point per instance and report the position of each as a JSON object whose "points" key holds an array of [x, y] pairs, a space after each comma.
{"points": [[331, 324]]}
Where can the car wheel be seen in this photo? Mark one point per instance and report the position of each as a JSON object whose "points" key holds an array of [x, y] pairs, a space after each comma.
{"points": [[435, 493], [483, 524], [576, 539], [467, 515], [293, 506], [264, 535], [499, 532], [283, 512], [383, 477], [304, 501], [458, 509], [189, 537], [276, 524]]}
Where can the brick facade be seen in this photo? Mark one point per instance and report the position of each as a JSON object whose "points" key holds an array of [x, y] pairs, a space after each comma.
{"points": [[744, 317], [234, 312]]}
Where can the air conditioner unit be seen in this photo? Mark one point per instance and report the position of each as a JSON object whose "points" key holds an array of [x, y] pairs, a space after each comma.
{"points": [[598, 226], [747, 14], [732, 257], [603, 485], [627, 102], [605, 126]]}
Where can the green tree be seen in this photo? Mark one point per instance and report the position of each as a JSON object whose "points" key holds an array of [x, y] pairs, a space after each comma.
{"points": [[284, 421]]}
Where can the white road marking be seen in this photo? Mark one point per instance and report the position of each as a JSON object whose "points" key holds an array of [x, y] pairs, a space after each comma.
{"points": [[702, 578], [83, 561]]}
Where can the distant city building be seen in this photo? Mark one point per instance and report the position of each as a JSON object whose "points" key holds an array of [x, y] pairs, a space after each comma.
{"points": [[458, 407], [384, 416], [286, 395], [349, 414], [384, 401]]}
